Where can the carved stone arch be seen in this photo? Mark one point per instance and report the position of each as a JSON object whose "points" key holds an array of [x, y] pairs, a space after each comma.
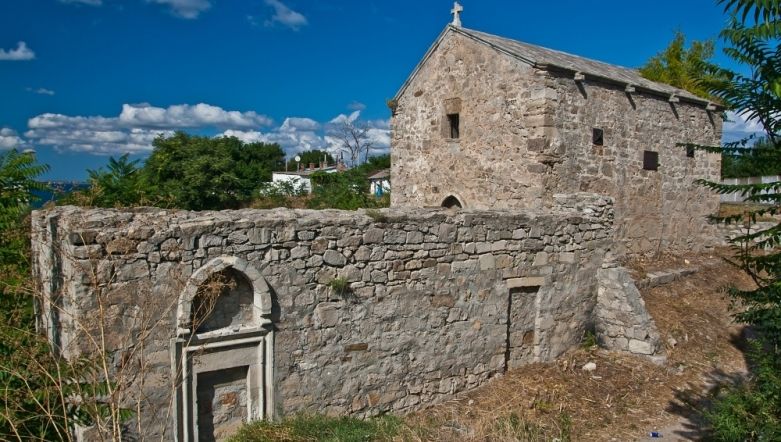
{"points": [[211, 365], [260, 290], [453, 201]]}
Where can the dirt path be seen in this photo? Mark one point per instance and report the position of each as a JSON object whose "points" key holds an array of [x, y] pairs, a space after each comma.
{"points": [[626, 397]]}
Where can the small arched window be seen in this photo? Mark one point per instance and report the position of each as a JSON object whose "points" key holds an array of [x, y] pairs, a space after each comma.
{"points": [[452, 202]]}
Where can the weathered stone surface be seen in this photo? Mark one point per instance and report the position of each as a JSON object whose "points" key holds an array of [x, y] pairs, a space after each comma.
{"points": [[525, 134], [424, 314], [622, 322]]}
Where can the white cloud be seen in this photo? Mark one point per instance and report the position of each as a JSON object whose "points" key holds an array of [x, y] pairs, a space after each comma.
{"points": [[738, 127], [356, 106], [22, 52], [9, 139], [285, 16], [189, 9], [294, 124], [137, 125], [188, 116], [41, 91], [84, 2], [342, 118], [134, 129]]}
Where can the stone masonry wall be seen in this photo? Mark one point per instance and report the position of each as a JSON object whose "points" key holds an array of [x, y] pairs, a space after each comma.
{"points": [[494, 164], [426, 315], [526, 134], [662, 210]]}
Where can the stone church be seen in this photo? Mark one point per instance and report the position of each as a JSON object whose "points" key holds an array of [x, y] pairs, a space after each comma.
{"points": [[486, 122], [201, 321]]}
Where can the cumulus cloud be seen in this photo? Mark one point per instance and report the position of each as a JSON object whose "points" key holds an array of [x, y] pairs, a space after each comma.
{"points": [[285, 16], [21, 53], [134, 129], [41, 91], [738, 127], [293, 136], [342, 118], [189, 9], [9, 139], [188, 116], [137, 125]]}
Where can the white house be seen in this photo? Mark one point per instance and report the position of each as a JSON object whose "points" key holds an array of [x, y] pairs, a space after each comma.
{"points": [[379, 182], [301, 177]]}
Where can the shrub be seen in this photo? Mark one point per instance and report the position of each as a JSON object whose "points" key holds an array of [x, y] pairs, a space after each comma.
{"points": [[320, 428]]}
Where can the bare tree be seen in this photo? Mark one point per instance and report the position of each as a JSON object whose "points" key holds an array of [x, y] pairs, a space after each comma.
{"points": [[353, 139]]}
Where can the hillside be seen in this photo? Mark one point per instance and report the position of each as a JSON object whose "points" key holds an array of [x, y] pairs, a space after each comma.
{"points": [[625, 397]]}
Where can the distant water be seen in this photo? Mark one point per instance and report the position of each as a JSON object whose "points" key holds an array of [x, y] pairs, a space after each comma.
{"points": [[55, 190]]}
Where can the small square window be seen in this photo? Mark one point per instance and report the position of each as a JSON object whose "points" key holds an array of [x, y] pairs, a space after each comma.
{"points": [[452, 120], [650, 160], [598, 136], [690, 151]]}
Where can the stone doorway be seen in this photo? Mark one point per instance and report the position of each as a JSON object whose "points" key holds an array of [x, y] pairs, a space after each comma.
{"points": [[451, 202], [223, 356], [222, 398]]}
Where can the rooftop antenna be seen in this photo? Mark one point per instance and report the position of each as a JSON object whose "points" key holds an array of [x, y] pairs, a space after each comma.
{"points": [[456, 11]]}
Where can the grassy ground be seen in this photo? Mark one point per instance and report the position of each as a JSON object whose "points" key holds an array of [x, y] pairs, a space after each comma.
{"points": [[319, 428]]}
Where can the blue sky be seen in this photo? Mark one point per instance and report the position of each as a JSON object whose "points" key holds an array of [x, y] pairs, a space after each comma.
{"points": [[84, 79]]}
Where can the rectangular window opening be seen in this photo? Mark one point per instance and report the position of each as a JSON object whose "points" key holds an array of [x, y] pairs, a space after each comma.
{"points": [[650, 160], [690, 151], [598, 136], [452, 119]]}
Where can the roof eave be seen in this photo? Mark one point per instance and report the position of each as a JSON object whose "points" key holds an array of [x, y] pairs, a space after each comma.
{"points": [[639, 88]]}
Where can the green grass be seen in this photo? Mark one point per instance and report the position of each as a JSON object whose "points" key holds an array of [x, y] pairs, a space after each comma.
{"points": [[318, 428]]}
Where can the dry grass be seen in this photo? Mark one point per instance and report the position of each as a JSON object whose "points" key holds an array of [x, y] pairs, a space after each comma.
{"points": [[731, 209], [627, 396]]}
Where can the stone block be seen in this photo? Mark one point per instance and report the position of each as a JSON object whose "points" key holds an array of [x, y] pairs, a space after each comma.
{"points": [[528, 281], [334, 258]]}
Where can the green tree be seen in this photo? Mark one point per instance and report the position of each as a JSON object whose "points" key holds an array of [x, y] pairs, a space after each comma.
{"points": [[752, 411], [202, 173], [681, 67], [27, 392], [348, 190], [310, 157], [761, 159], [119, 185]]}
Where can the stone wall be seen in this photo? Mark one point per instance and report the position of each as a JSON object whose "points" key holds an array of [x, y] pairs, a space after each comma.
{"points": [[622, 322], [425, 316], [526, 134], [661, 210], [495, 163]]}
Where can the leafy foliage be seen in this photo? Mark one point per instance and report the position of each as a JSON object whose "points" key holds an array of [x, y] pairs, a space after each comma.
{"points": [[320, 428], [202, 173], [187, 172], [18, 172], [761, 159], [681, 67], [751, 411], [119, 185], [348, 190], [280, 194], [27, 393]]}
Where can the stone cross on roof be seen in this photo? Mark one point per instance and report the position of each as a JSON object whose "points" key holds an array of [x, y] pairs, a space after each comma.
{"points": [[456, 11]]}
